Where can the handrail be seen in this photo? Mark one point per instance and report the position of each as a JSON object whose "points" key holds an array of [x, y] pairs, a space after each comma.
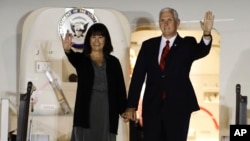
{"points": [[23, 115], [241, 107], [7, 107], [4, 119]]}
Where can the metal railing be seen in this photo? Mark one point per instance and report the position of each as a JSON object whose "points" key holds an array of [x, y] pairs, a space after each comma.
{"points": [[241, 107]]}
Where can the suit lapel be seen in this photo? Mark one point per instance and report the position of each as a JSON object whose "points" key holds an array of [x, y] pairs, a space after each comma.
{"points": [[175, 45], [157, 43]]}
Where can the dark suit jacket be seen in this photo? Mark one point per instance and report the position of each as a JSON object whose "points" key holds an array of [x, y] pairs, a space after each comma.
{"points": [[180, 95], [116, 89]]}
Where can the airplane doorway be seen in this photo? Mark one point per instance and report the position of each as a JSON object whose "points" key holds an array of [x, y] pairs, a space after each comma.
{"points": [[204, 75]]}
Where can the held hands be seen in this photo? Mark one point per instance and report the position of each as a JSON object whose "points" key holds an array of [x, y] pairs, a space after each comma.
{"points": [[207, 23], [67, 42], [129, 114]]}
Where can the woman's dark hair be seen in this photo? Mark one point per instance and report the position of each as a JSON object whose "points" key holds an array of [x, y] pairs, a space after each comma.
{"points": [[98, 29]]}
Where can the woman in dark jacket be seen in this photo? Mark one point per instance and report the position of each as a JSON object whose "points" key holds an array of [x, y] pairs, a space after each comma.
{"points": [[101, 92]]}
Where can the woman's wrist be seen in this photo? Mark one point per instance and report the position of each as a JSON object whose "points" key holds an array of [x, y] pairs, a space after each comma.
{"points": [[67, 50]]}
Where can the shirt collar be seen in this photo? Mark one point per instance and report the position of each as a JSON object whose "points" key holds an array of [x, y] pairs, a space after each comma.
{"points": [[171, 40]]}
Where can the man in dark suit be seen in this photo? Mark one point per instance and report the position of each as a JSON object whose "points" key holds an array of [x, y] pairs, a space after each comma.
{"points": [[169, 97]]}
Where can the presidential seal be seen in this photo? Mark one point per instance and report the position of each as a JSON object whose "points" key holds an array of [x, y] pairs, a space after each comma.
{"points": [[76, 21]]}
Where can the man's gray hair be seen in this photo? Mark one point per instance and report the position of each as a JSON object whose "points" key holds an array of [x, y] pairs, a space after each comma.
{"points": [[168, 9]]}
